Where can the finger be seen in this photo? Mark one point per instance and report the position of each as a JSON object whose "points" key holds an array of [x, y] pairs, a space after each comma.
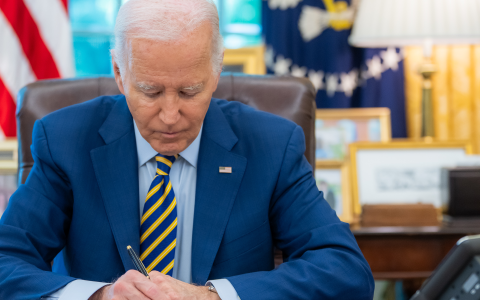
{"points": [[150, 289], [168, 287], [160, 277], [163, 282], [125, 287], [133, 275], [126, 291]]}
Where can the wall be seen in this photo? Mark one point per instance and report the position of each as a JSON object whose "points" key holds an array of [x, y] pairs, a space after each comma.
{"points": [[456, 93]]}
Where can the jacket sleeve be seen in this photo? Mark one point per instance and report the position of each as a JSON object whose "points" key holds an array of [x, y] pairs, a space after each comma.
{"points": [[34, 227], [322, 258]]}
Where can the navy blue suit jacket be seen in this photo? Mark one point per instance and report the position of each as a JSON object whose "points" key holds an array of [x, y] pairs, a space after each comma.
{"points": [[82, 195]]}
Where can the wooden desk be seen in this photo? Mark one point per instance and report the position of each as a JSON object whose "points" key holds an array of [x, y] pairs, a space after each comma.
{"points": [[410, 254], [407, 253]]}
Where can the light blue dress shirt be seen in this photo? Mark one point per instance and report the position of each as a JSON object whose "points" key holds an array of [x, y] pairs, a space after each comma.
{"points": [[183, 176]]}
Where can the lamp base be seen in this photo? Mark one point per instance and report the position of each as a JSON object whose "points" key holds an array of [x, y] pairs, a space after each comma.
{"points": [[427, 70]]}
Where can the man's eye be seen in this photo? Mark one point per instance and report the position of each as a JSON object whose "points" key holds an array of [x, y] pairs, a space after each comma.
{"points": [[187, 94], [153, 95]]}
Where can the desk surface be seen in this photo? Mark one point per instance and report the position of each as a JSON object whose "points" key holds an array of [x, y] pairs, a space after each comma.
{"points": [[407, 252], [402, 230]]}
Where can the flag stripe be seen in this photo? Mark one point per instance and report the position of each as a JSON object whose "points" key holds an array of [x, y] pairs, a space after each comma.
{"points": [[7, 113], [15, 70], [65, 5], [56, 35], [36, 51]]}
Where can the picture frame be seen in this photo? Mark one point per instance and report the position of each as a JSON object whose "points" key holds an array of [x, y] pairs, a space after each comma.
{"points": [[8, 171], [335, 129], [248, 60], [332, 178], [401, 171]]}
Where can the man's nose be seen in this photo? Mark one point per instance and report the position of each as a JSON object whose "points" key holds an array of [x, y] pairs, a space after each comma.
{"points": [[170, 111]]}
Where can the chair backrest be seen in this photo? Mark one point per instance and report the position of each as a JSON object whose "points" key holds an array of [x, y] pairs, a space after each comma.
{"points": [[289, 97]]}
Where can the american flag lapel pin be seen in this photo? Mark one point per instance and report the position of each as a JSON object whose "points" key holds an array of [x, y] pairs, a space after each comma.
{"points": [[225, 170]]}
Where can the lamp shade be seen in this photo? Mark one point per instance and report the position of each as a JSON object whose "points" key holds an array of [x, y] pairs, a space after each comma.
{"points": [[383, 23]]}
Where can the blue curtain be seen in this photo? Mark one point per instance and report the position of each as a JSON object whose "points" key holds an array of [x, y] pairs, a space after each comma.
{"points": [[310, 38]]}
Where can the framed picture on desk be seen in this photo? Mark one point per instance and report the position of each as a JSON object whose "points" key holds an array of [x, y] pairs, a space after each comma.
{"points": [[332, 179], [401, 171], [335, 129], [8, 171], [248, 60]]}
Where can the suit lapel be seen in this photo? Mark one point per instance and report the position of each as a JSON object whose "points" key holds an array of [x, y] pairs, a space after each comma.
{"points": [[215, 192], [116, 170]]}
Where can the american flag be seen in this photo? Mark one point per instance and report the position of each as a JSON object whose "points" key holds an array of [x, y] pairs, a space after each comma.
{"points": [[35, 43]]}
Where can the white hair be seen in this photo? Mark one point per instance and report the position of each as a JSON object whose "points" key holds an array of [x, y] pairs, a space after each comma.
{"points": [[165, 20]]}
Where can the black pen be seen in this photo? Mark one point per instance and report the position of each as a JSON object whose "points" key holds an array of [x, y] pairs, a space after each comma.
{"points": [[137, 262]]}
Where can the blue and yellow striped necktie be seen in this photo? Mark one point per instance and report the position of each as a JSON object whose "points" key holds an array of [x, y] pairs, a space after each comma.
{"points": [[158, 229]]}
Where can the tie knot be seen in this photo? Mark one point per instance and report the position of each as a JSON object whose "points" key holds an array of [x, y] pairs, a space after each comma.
{"points": [[164, 163]]}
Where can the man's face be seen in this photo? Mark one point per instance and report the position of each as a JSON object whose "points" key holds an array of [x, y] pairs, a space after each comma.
{"points": [[168, 87]]}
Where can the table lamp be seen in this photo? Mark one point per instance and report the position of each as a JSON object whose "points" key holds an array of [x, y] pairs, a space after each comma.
{"points": [[397, 23]]}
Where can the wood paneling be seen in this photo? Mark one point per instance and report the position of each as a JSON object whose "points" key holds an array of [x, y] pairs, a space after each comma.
{"points": [[456, 93], [476, 99], [413, 92], [441, 93], [461, 96]]}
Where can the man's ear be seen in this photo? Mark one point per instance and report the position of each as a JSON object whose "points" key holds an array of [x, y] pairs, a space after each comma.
{"points": [[116, 73]]}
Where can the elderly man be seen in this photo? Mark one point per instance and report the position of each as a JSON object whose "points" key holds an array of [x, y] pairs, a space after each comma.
{"points": [[201, 188]]}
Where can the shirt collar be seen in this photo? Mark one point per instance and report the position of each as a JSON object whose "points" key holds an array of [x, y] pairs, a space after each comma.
{"points": [[145, 152]]}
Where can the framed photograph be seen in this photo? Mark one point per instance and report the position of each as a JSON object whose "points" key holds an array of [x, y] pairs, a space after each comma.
{"points": [[8, 171], [335, 129], [333, 180], [249, 60], [401, 172]]}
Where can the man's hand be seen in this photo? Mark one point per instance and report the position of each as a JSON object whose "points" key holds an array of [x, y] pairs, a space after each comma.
{"points": [[134, 286]]}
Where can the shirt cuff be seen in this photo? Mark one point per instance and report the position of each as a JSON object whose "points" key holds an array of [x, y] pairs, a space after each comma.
{"points": [[225, 289], [77, 290]]}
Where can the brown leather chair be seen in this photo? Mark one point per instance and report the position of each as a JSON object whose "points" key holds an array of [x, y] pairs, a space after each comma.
{"points": [[289, 97]]}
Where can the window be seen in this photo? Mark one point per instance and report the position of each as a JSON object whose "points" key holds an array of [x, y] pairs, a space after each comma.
{"points": [[240, 22], [93, 21]]}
